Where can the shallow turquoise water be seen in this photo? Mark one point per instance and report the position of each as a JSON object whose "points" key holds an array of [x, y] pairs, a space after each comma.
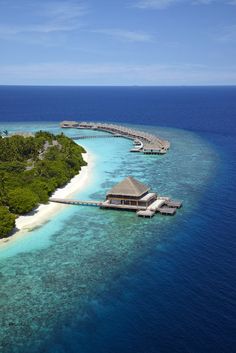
{"points": [[59, 268]]}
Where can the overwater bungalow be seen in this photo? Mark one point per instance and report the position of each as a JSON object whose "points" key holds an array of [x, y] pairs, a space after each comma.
{"points": [[144, 142], [69, 124], [131, 195], [131, 192]]}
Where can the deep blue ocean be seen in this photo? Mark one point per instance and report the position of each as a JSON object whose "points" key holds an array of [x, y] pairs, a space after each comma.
{"points": [[179, 295]]}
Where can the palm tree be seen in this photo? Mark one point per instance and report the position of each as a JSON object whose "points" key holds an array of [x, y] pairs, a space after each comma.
{"points": [[6, 133]]}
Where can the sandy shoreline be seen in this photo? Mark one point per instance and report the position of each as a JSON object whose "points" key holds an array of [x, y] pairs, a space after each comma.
{"points": [[43, 213]]}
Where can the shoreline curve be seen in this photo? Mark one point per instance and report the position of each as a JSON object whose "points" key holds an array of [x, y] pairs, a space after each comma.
{"points": [[43, 213]]}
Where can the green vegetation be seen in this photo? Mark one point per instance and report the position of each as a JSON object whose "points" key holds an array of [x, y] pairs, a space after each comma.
{"points": [[7, 221], [31, 168]]}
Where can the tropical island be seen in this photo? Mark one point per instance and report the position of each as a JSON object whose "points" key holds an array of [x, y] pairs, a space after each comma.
{"points": [[32, 167]]}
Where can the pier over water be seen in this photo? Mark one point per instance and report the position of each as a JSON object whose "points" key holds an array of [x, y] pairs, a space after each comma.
{"points": [[143, 141], [130, 195]]}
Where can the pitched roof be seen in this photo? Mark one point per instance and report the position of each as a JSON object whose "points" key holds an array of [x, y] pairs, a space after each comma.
{"points": [[129, 187]]}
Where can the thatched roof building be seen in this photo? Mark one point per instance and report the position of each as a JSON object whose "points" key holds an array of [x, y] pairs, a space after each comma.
{"points": [[129, 187], [130, 192]]}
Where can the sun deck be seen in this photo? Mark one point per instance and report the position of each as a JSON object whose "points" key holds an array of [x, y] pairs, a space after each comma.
{"points": [[167, 211], [156, 205], [174, 203], [146, 214]]}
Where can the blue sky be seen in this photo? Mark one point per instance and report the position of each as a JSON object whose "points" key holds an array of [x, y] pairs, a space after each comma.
{"points": [[118, 42]]}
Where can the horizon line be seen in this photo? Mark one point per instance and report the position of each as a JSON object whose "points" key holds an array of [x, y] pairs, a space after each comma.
{"points": [[114, 85]]}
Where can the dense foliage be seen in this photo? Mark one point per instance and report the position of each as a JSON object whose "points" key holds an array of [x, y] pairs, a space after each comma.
{"points": [[7, 221], [31, 168]]}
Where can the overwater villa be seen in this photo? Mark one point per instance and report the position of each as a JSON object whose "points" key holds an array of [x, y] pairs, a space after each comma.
{"points": [[131, 195], [143, 142], [131, 192]]}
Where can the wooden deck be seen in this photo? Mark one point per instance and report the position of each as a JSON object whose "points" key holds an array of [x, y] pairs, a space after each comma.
{"points": [[145, 214], [122, 207], [174, 203], [169, 211]]}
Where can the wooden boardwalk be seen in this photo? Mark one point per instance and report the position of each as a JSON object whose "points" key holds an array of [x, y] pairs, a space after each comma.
{"points": [[164, 209], [148, 143], [76, 202], [84, 137]]}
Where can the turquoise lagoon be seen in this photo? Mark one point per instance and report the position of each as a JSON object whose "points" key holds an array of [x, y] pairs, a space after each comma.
{"points": [[59, 269]]}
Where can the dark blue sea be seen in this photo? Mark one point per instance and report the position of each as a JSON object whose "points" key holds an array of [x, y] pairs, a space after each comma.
{"points": [[174, 294]]}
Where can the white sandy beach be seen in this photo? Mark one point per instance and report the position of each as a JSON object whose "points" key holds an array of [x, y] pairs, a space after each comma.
{"points": [[43, 213]]}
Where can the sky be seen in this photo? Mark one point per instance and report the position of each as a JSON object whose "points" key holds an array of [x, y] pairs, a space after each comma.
{"points": [[118, 42]]}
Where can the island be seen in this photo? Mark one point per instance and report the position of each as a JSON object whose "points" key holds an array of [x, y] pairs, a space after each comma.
{"points": [[32, 167]]}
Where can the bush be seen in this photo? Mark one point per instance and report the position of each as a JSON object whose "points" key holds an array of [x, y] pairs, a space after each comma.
{"points": [[22, 200], [7, 222], [41, 189]]}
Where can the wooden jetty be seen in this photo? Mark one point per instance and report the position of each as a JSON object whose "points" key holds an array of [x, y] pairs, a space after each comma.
{"points": [[143, 142], [130, 195], [84, 137], [76, 202]]}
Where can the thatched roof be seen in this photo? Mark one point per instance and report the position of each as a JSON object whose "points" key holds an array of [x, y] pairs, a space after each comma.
{"points": [[129, 187]]}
